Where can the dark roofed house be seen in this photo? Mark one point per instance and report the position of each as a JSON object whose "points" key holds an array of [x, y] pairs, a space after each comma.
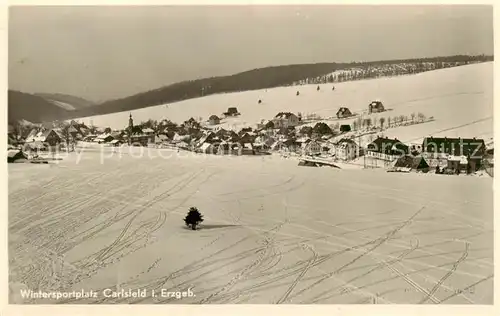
{"points": [[375, 107], [443, 147], [387, 149], [51, 138], [214, 120], [343, 112], [232, 111], [344, 128]]}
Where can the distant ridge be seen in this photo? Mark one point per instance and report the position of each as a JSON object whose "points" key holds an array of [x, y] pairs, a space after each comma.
{"points": [[32, 108]]}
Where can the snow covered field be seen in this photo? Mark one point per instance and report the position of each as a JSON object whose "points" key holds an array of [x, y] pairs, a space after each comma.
{"points": [[460, 99], [273, 232]]}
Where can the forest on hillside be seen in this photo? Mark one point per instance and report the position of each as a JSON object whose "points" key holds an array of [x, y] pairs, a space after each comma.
{"points": [[263, 78]]}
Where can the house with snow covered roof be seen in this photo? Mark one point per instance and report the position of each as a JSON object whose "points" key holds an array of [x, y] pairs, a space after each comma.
{"points": [[285, 120], [343, 112]]}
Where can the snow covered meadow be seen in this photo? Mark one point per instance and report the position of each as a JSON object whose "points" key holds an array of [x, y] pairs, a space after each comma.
{"points": [[273, 232]]}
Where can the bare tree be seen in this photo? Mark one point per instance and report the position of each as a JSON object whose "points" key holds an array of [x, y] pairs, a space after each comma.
{"points": [[369, 122], [389, 121], [382, 120], [401, 119], [413, 117]]}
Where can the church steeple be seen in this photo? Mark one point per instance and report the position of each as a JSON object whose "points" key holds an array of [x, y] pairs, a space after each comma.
{"points": [[130, 122]]}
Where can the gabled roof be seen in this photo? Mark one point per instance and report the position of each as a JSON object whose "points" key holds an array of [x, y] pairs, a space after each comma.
{"points": [[72, 129], [58, 132], [13, 153], [346, 141], [387, 146], [343, 110], [104, 136], [284, 115], [116, 134]]}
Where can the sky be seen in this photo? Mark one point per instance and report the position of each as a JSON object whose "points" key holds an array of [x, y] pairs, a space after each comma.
{"points": [[104, 52]]}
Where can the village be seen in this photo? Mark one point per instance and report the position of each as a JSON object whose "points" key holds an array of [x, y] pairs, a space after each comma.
{"points": [[313, 140], [283, 155]]}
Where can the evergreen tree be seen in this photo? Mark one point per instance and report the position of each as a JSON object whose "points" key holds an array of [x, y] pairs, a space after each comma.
{"points": [[322, 129], [193, 218]]}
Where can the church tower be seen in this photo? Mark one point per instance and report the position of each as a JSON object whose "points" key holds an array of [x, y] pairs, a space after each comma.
{"points": [[130, 122], [130, 128]]}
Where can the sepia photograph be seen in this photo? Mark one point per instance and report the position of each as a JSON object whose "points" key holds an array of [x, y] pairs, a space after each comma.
{"points": [[250, 154]]}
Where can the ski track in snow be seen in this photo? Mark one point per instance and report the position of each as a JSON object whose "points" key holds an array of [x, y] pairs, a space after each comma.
{"points": [[278, 252]]}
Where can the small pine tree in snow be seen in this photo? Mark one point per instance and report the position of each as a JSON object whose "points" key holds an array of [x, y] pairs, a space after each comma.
{"points": [[193, 218]]}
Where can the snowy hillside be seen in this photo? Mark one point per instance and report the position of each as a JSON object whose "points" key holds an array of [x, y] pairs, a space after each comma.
{"points": [[460, 99], [63, 105]]}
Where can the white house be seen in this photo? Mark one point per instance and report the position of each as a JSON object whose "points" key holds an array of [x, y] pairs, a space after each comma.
{"points": [[285, 120], [346, 149]]}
